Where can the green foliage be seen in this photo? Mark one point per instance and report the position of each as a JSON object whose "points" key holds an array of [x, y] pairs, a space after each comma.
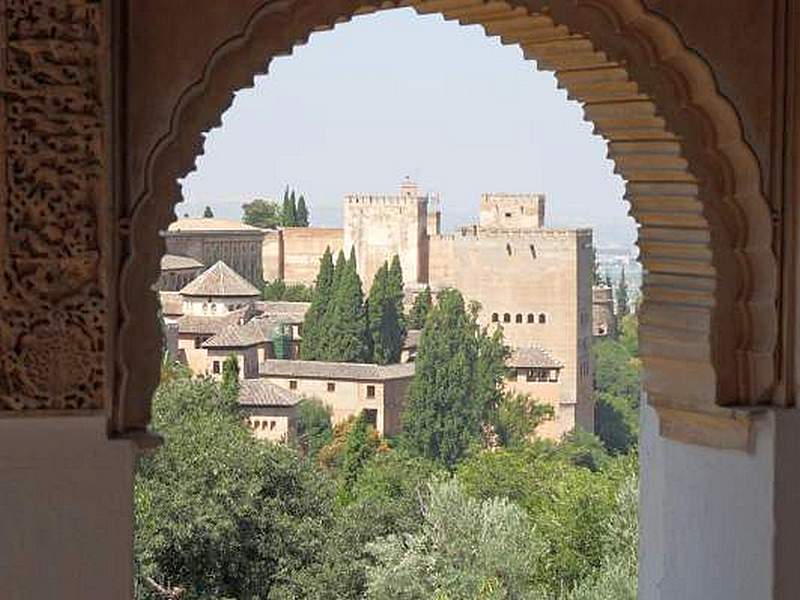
{"points": [[314, 429], [289, 209], [385, 320], [622, 296], [571, 507], [386, 500], [465, 549], [419, 311], [302, 212], [360, 445], [517, 418], [218, 513], [313, 345], [208, 213], [278, 290], [262, 213], [346, 319], [454, 387], [230, 375], [617, 388]]}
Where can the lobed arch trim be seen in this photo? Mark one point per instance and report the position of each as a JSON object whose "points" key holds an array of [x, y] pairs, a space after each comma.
{"points": [[709, 321]]}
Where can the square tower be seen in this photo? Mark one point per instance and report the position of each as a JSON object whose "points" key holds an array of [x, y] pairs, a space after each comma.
{"points": [[512, 211], [378, 227]]}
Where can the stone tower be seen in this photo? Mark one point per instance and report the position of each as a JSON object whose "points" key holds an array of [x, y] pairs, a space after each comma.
{"points": [[512, 211], [379, 226]]}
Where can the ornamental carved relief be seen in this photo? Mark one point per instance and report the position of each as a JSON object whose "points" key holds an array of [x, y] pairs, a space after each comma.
{"points": [[52, 303]]}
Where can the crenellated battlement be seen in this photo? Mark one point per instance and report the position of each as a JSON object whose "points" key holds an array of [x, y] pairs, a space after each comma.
{"points": [[384, 200]]}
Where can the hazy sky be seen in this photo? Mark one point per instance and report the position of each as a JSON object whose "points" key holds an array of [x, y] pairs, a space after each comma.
{"points": [[398, 94]]}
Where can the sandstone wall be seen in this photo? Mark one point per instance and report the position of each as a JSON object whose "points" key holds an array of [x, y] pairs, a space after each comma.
{"points": [[530, 275], [272, 255], [380, 227], [512, 211], [302, 248]]}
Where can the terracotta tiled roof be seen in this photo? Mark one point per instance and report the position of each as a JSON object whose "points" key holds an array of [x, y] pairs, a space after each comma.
{"points": [[213, 224], [170, 262], [260, 392], [191, 324], [171, 303], [220, 280], [288, 312], [334, 370], [533, 357], [255, 331]]}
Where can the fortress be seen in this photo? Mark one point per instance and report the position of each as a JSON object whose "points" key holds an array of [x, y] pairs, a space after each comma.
{"points": [[533, 281]]}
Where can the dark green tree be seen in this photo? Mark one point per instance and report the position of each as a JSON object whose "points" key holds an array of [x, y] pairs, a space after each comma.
{"points": [[262, 213], [230, 375], [419, 311], [360, 446], [622, 296], [396, 288], [443, 415], [314, 428], [313, 344], [289, 210], [347, 322], [385, 322], [302, 212], [208, 213], [218, 513]]}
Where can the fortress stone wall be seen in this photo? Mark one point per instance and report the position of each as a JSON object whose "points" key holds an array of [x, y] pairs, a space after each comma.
{"points": [[379, 226], [536, 285]]}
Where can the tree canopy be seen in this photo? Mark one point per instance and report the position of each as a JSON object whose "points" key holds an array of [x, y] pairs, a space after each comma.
{"points": [[217, 513], [262, 213], [208, 213], [385, 314], [458, 371], [420, 309]]}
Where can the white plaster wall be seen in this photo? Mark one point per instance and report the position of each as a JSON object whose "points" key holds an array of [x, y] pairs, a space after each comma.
{"points": [[66, 510], [706, 518]]}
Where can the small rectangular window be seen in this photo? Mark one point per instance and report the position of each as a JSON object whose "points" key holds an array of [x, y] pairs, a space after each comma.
{"points": [[292, 385], [371, 416], [370, 391], [331, 386], [215, 368]]}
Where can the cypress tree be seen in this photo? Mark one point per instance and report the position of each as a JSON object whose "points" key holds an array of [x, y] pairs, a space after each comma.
{"points": [[208, 213], [385, 322], [230, 378], [419, 311], [395, 286], [302, 212], [360, 445], [622, 295], [347, 328], [443, 415], [338, 271], [315, 324], [289, 210]]}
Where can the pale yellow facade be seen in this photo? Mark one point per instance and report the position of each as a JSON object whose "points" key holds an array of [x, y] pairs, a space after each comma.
{"points": [[346, 398]]}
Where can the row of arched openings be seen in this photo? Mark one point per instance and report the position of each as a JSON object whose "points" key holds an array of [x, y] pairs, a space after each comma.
{"points": [[531, 318]]}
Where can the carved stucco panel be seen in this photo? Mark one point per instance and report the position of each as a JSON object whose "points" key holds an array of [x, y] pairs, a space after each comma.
{"points": [[52, 303]]}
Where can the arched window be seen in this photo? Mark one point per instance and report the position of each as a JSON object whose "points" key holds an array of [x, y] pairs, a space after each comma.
{"points": [[542, 318], [495, 317], [507, 318], [519, 318], [531, 318]]}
